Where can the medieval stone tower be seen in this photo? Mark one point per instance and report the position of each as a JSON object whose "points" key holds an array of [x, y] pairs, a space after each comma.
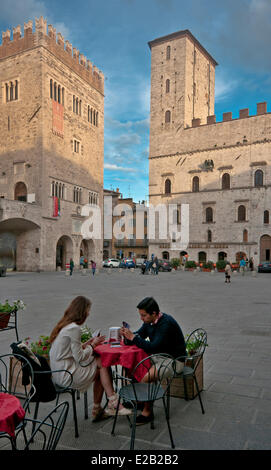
{"points": [[182, 87], [222, 170], [52, 140]]}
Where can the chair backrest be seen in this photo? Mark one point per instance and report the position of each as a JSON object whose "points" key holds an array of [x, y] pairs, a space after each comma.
{"points": [[196, 344], [49, 430], [45, 390], [159, 370], [12, 377]]}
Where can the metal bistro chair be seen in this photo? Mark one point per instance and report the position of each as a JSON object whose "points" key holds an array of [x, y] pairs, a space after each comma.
{"points": [[48, 431], [46, 390], [12, 368], [134, 392], [199, 338]]}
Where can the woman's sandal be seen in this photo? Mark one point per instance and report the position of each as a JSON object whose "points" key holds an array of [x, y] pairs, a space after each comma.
{"points": [[112, 407], [98, 414]]}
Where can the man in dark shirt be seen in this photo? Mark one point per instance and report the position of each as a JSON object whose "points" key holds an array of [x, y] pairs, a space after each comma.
{"points": [[164, 334]]}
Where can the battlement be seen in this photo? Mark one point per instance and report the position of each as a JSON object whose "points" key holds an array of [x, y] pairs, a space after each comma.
{"points": [[56, 44], [243, 113]]}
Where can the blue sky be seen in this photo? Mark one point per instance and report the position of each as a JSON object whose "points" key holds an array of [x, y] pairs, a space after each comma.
{"points": [[114, 35]]}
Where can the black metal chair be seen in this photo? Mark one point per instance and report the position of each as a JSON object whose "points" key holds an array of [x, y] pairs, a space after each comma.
{"points": [[12, 381], [198, 342], [134, 392], [46, 389], [48, 431]]}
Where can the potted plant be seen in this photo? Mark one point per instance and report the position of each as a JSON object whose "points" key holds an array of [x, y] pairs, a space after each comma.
{"points": [[175, 263], [42, 345], [208, 266], [7, 308], [190, 265], [220, 265]]}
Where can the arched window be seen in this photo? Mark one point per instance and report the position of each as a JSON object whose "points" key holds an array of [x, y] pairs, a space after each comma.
{"points": [[168, 52], [20, 192], [63, 96], [245, 236], [209, 214], [241, 213], [226, 182], [195, 184], [266, 217], [167, 186], [53, 188], [51, 88], [258, 178], [16, 90], [167, 86], [55, 93], [209, 236], [167, 116], [59, 94], [97, 118]]}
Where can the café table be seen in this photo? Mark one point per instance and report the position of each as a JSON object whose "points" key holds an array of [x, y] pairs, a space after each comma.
{"points": [[11, 414], [128, 356]]}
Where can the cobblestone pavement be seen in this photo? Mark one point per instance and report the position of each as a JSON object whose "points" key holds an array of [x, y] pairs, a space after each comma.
{"points": [[237, 372]]}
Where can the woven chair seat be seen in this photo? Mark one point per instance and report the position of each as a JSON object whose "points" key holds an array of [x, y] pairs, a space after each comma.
{"points": [[139, 392]]}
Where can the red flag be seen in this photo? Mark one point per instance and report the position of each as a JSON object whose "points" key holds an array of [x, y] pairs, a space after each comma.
{"points": [[55, 206]]}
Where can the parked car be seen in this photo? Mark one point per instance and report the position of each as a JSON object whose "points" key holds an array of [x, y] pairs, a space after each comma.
{"points": [[164, 265], [264, 267], [111, 263], [127, 263], [139, 262]]}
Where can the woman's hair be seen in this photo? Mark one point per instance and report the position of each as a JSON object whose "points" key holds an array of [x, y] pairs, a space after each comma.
{"points": [[76, 312], [149, 305]]}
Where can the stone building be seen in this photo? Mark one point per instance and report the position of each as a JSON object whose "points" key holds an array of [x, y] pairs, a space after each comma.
{"points": [[221, 169], [52, 146]]}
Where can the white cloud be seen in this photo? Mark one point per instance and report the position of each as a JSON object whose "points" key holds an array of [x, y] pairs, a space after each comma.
{"points": [[113, 167], [224, 87]]}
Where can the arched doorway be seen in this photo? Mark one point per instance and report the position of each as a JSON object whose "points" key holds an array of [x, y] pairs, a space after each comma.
{"points": [[221, 256], [165, 255], [64, 251], [265, 248], [183, 255], [240, 255], [20, 192], [8, 250]]}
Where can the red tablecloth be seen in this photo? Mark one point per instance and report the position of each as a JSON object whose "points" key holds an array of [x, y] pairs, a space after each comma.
{"points": [[126, 356], [11, 413]]}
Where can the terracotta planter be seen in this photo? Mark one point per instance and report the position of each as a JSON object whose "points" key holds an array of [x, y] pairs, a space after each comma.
{"points": [[4, 319], [206, 270], [177, 386], [221, 270]]}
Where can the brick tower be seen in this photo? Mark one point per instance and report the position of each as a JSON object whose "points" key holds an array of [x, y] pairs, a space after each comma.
{"points": [[52, 140]]}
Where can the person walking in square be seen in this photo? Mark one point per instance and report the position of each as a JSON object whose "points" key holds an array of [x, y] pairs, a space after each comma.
{"points": [[228, 273], [71, 266], [93, 267]]}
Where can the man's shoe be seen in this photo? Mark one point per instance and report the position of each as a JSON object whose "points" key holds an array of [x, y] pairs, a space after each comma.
{"points": [[141, 419]]}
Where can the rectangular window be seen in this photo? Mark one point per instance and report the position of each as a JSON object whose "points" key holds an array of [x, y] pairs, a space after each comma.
{"points": [[76, 146]]}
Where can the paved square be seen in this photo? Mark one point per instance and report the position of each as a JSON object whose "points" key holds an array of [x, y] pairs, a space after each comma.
{"points": [[237, 364]]}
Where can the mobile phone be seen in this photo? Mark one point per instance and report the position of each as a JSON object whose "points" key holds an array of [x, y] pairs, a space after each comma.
{"points": [[125, 325], [96, 333]]}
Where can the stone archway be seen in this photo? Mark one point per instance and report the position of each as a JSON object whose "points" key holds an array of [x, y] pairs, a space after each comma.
{"points": [[265, 248], [20, 244], [221, 256], [64, 251]]}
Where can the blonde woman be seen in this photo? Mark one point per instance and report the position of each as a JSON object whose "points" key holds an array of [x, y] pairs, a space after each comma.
{"points": [[67, 352]]}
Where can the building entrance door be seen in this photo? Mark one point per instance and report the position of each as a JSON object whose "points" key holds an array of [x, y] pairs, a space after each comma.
{"points": [[265, 248]]}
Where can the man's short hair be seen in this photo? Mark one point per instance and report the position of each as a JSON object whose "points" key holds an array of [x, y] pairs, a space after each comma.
{"points": [[149, 305]]}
